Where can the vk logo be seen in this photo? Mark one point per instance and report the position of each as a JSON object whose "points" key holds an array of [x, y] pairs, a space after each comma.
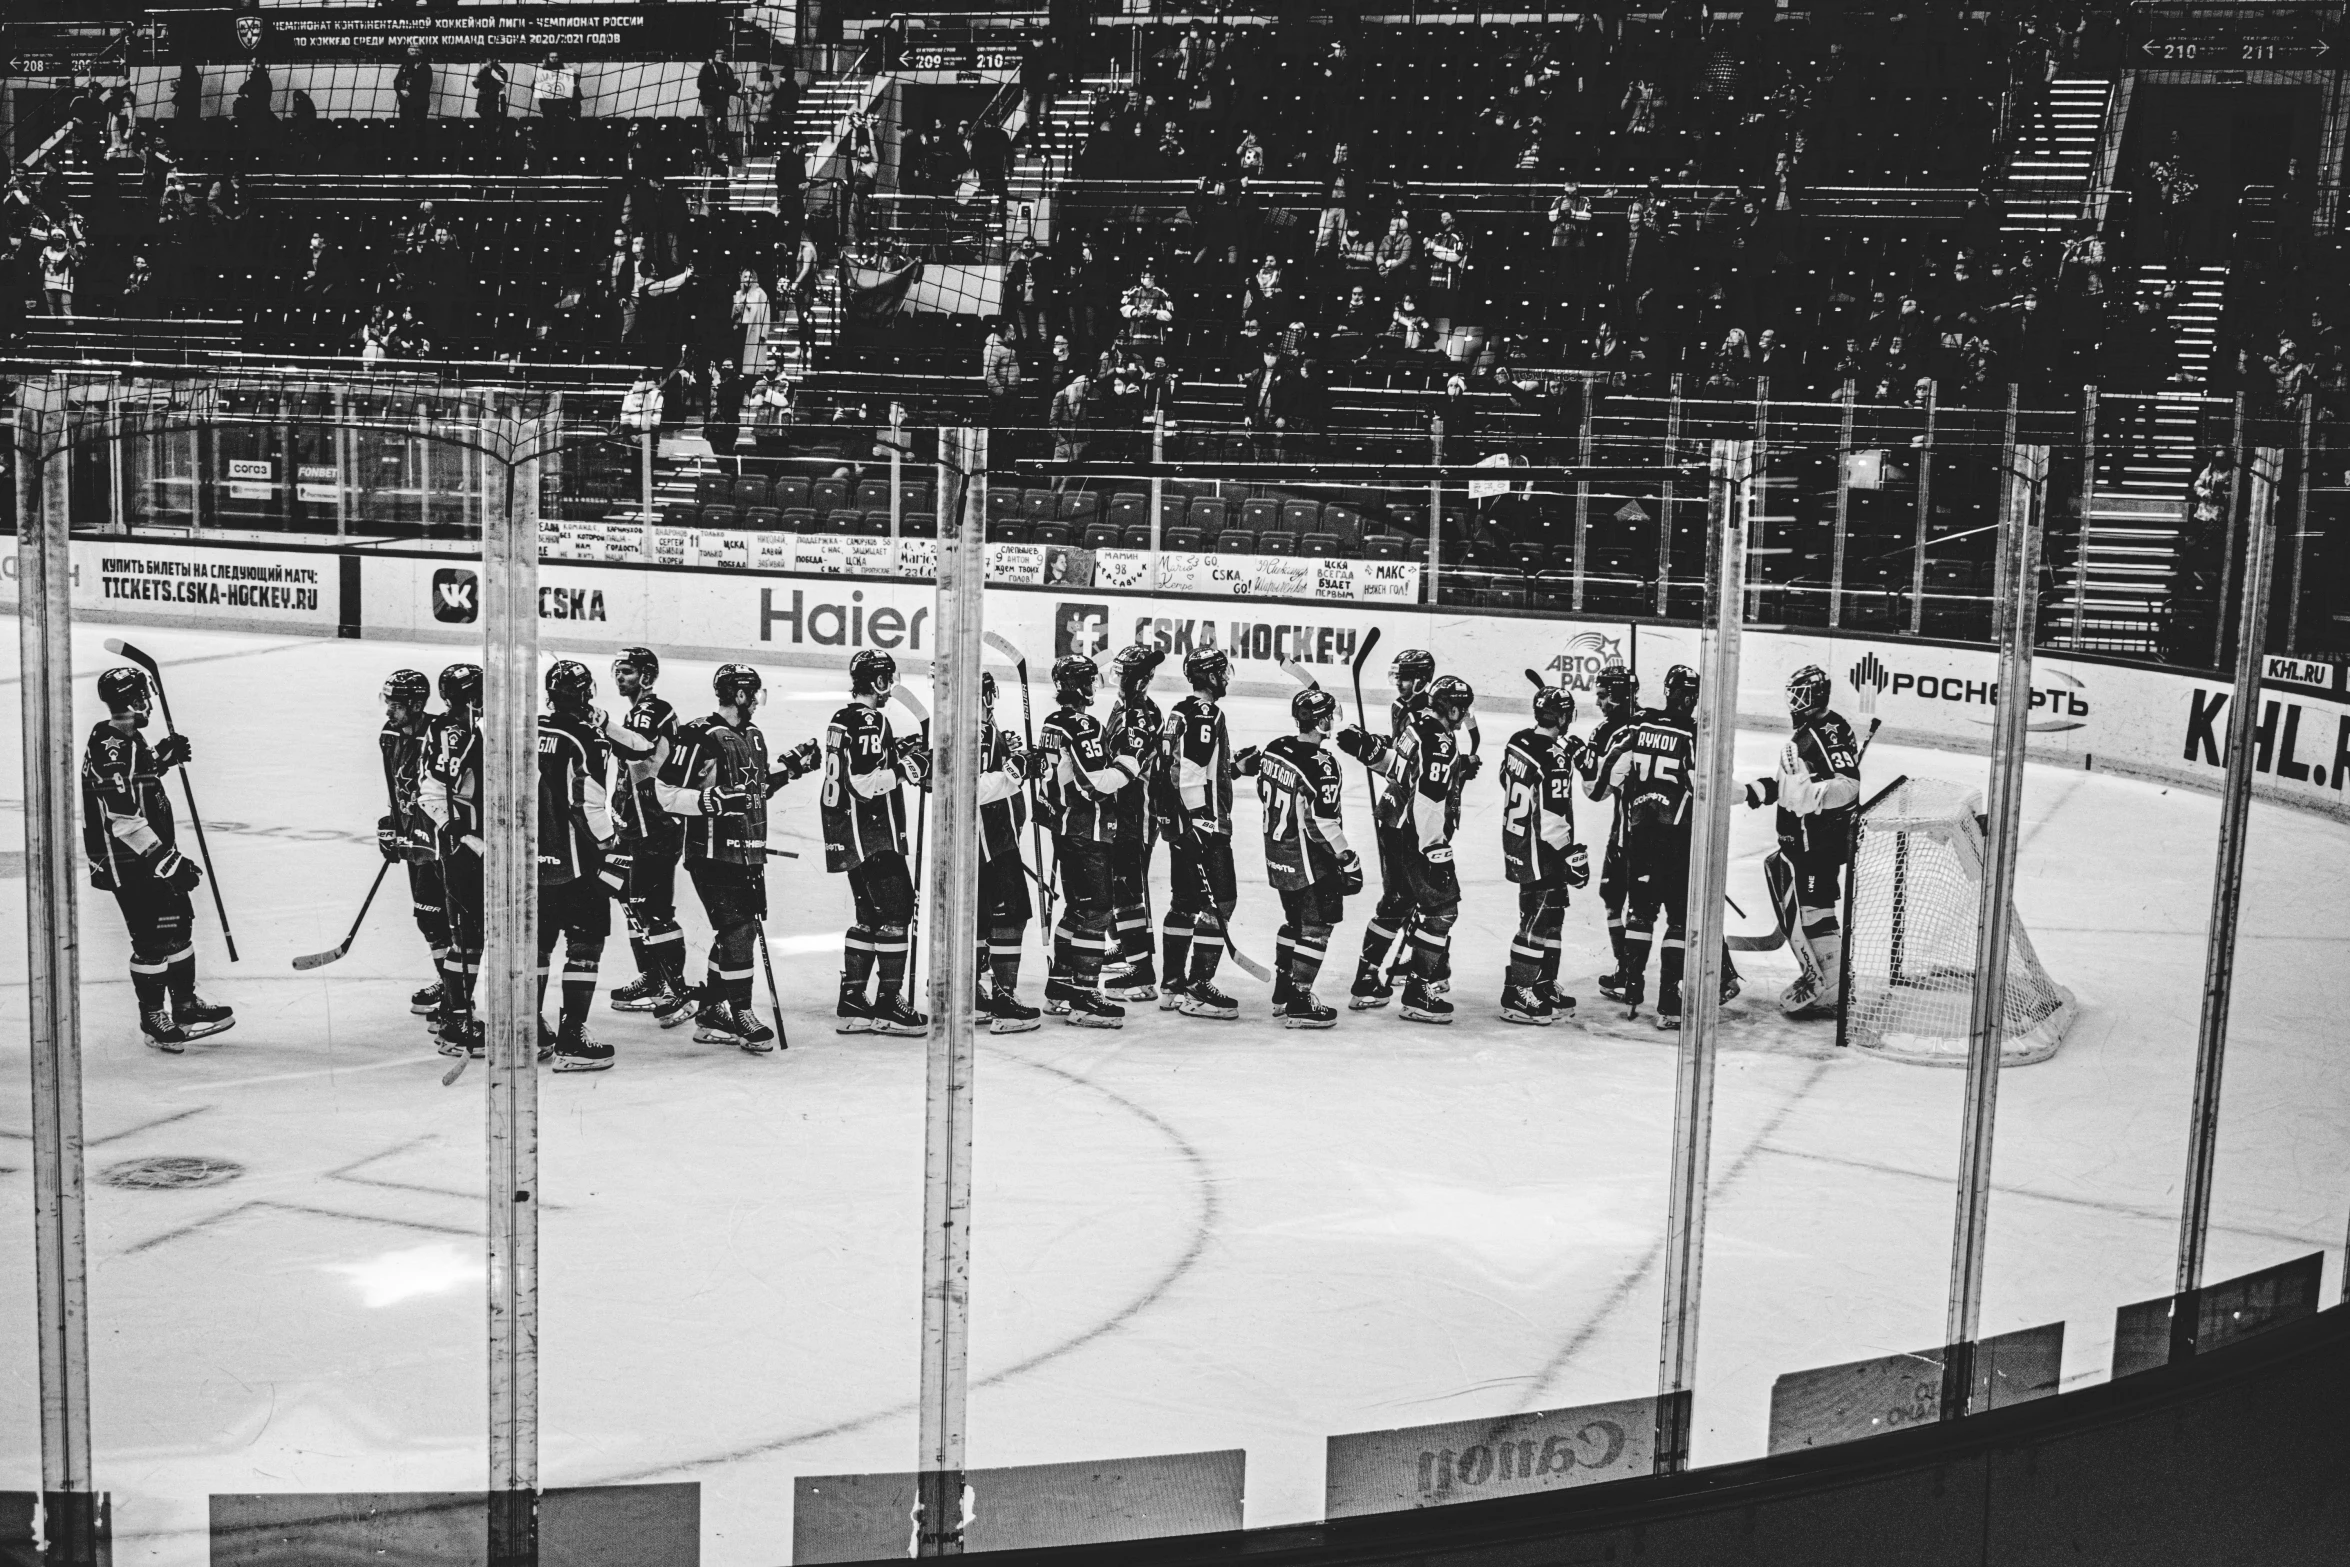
{"points": [[455, 596]]}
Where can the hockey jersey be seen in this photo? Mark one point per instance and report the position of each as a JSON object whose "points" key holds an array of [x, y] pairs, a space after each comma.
{"points": [[1195, 749], [1305, 839], [864, 815], [1647, 769], [1133, 736], [450, 787], [640, 740], [126, 817], [1087, 788], [575, 821], [710, 753], [1538, 808], [1003, 793], [1393, 806], [1418, 764], [403, 760], [1818, 788]]}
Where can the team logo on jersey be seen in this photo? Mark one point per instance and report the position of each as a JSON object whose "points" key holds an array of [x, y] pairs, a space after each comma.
{"points": [[456, 596], [250, 30], [1578, 664], [1081, 629]]}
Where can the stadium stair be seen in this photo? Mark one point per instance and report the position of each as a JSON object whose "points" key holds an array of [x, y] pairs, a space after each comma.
{"points": [[2131, 538], [2048, 173], [1042, 161]]}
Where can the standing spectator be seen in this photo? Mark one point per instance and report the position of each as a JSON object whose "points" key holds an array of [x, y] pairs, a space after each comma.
{"points": [[1028, 289], [805, 263], [1573, 249], [412, 87], [252, 106], [489, 89], [2177, 189], [999, 369], [1088, 292], [1266, 399], [1266, 303], [1147, 310], [557, 89], [723, 421], [187, 93], [138, 297], [751, 312], [1161, 386], [1066, 420], [718, 87], [759, 108], [1396, 261], [58, 260], [1408, 331], [1448, 269]]}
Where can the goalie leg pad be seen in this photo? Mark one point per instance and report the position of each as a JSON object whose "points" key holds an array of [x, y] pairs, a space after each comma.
{"points": [[1779, 875]]}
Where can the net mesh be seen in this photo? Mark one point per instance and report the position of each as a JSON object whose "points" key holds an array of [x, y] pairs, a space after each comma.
{"points": [[1917, 874]]}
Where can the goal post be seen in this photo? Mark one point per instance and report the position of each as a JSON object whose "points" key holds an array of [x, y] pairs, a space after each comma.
{"points": [[1918, 864]]}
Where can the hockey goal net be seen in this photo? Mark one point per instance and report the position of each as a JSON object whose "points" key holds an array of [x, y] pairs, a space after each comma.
{"points": [[1916, 901]]}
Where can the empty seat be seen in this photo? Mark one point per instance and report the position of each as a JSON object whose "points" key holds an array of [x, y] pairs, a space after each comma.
{"points": [[799, 519], [714, 489], [680, 514], [1002, 505], [1345, 524], [919, 500], [1102, 535], [1383, 546], [1301, 516], [1185, 540], [922, 524], [1048, 531], [873, 495], [844, 519], [1039, 504], [1278, 542], [721, 517], [762, 519], [790, 491], [1260, 515], [1136, 535], [827, 495], [874, 524], [1128, 508], [751, 489], [1236, 541], [1323, 544], [1007, 530], [1079, 506], [1207, 515]]}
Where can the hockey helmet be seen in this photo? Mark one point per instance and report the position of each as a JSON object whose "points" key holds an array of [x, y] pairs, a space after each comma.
{"points": [[1554, 707], [1616, 689], [1210, 667], [461, 685], [1074, 679], [1412, 670], [1451, 697], [408, 688], [1134, 666], [1313, 708], [125, 690], [987, 690], [570, 686], [737, 685], [635, 668], [1807, 692], [872, 673], [1681, 689]]}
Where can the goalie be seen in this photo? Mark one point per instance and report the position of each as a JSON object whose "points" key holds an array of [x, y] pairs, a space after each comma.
{"points": [[1816, 790]]}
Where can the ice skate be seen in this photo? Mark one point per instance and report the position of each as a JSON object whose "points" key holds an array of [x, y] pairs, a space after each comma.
{"points": [[1620, 986], [468, 1037], [891, 1015], [162, 1033], [1802, 1002], [1060, 993], [682, 1007], [1171, 995], [1422, 1005], [854, 1012], [1560, 1002], [546, 1042], [1205, 1000], [714, 1024], [1525, 1004], [1370, 991], [1304, 1011], [1667, 1022], [425, 1002], [748, 1033], [645, 993], [1087, 1010], [1137, 981], [576, 1052], [1006, 1015], [198, 1017]]}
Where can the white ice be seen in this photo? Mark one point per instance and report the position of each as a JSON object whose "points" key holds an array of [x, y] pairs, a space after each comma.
{"points": [[1188, 1235]]}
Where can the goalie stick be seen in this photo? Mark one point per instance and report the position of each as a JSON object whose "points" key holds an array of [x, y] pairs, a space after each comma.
{"points": [[122, 649]]}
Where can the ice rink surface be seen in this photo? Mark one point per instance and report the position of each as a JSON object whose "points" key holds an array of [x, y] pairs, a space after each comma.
{"points": [[1188, 1235]]}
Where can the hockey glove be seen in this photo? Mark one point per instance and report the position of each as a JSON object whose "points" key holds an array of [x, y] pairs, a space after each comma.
{"points": [[1247, 759], [1762, 792], [614, 872], [388, 841], [1350, 871], [1578, 866], [721, 802], [798, 762], [170, 752], [1037, 765], [1467, 766], [176, 871], [1355, 741]]}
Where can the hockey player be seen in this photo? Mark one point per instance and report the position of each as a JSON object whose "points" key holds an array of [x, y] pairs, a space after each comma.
{"points": [[1004, 904], [131, 840], [1307, 857], [1196, 753], [1816, 789], [450, 794], [1411, 672], [1086, 788], [1617, 691], [1540, 854], [1648, 765], [575, 829], [642, 867], [716, 777], [1133, 734], [405, 834], [1421, 762], [865, 766]]}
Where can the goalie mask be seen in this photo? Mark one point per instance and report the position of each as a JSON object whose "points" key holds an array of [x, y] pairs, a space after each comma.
{"points": [[1807, 693]]}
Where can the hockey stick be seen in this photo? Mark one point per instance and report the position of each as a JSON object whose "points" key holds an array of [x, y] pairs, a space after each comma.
{"points": [[1299, 673], [1865, 704], [1019, 661], [1248, 965], [122, 649], [774, 997], [335, 954], [914, 705]]}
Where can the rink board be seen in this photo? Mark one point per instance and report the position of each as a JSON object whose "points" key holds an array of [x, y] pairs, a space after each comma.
{"points": [[586, 1526], [2087, 712], [858, 1518]]}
